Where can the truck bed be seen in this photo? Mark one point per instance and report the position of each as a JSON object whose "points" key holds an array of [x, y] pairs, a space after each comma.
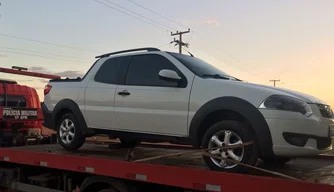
{"points": [[102, 160]]}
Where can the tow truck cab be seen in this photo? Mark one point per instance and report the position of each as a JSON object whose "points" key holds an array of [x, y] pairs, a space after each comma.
{"points": [[21, 116]]}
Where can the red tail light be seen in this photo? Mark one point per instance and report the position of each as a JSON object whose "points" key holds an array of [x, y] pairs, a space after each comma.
{"points": [[47, 89]]}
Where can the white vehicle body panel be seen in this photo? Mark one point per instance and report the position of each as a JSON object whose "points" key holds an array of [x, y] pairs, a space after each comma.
{"points": [[170, 110], [155, 110]]}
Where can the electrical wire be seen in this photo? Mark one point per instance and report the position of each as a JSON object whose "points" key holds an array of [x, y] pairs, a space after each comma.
{"points": [[191, 33], [240, 62], [167, 27], [227, 61], [33, 55], [81, 49], [111, 7], [156, 13], [44, 42], [17, 49], [229, 55], [163, 45]]}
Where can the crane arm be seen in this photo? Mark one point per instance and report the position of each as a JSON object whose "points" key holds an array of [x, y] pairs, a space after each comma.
{"points": [[28, 73]]}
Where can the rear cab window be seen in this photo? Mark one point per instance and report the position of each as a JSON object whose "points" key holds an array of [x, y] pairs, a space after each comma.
{"points": [[13, 101], [113, 70]]}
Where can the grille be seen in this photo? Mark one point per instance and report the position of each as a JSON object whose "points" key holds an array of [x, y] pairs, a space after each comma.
{"points": [[326, 111]]}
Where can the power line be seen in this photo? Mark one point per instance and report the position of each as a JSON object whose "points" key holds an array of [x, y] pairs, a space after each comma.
{"points": [[157, 13], [245, 65], [250, 69], [44, 42], [39, 52], [163, 45], [33, 55], [225, 60], [139, 14], [130, 15], [192, 33], [38, 41], [180, 42], [229, 55]]}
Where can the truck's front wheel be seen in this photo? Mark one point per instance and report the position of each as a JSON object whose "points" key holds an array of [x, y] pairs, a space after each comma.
{"points": [[229, 133], [69, 133]]}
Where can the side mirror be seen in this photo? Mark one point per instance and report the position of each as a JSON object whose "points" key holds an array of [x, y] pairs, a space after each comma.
{"points": [[169, 75]]}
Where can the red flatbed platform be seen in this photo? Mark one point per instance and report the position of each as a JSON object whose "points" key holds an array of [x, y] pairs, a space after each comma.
{"points": [[186, 171]]}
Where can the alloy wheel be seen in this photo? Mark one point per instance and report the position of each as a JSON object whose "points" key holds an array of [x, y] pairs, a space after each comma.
{"points": [[67, 131], [226, 138]]}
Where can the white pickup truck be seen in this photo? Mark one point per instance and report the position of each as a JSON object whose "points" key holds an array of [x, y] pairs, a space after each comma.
{"points": [[155, 96]]}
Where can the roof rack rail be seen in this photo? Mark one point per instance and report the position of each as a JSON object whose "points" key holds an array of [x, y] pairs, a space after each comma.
{"points": [[129, 50]]}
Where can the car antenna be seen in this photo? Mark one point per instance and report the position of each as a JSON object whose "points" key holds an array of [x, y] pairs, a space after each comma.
{"points": [[190, 53]]}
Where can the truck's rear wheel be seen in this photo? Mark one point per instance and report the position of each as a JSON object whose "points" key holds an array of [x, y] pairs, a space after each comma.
{"points": [[69, 133], [129, 143], [228, 133], [276, 160], [108, 190]]}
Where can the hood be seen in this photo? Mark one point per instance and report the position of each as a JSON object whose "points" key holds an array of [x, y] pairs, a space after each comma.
{"points": [[302, 96]]}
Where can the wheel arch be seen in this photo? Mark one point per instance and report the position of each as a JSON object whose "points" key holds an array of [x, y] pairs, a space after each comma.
{"points": [[69, 106], [225, 108], [100, 182]]}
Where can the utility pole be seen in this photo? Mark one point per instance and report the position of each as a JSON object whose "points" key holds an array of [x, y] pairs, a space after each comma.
{"points": [[179, 42], [274, 80]]}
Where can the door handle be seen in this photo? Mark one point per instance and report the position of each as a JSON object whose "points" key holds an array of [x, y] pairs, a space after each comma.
{"points": [[124, 93]]}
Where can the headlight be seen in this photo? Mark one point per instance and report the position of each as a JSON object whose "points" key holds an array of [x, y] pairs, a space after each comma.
{"points": [[325, 110], [286, 103]]}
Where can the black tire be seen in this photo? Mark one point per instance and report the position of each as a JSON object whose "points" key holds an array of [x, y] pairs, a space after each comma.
{"points": [[250, 152], [108, 190], [117, 186], [77, 140], [16, 140], [129, 143], [276, 160]]}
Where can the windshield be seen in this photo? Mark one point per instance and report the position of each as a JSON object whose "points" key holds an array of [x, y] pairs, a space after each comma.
{"points": [[198, 66]]}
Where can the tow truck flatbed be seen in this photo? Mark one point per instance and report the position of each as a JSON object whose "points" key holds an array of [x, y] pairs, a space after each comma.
{"points": [[185, 171]]}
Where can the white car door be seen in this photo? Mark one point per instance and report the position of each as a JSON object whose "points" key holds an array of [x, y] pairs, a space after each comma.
{"points": [[148, 104], [100, 93]]}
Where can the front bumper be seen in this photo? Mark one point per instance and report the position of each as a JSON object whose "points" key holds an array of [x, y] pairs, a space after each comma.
{"points": [[294, 134]]}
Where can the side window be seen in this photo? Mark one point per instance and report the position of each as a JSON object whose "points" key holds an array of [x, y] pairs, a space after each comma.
{"points": [[144, 71], [113, 70]]}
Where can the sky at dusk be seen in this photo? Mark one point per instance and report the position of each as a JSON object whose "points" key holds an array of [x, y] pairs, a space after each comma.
{"points": [[258, 40]]}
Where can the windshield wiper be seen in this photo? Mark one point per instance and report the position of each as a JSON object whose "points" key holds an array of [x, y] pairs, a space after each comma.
{"points": [[218, 76]]}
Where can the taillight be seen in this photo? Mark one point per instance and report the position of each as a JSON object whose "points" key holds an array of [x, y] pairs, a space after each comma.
{"points": [[47, 89]]}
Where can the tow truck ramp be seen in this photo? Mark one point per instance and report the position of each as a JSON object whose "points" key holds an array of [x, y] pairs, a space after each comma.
{"points": [[185, 171]]}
